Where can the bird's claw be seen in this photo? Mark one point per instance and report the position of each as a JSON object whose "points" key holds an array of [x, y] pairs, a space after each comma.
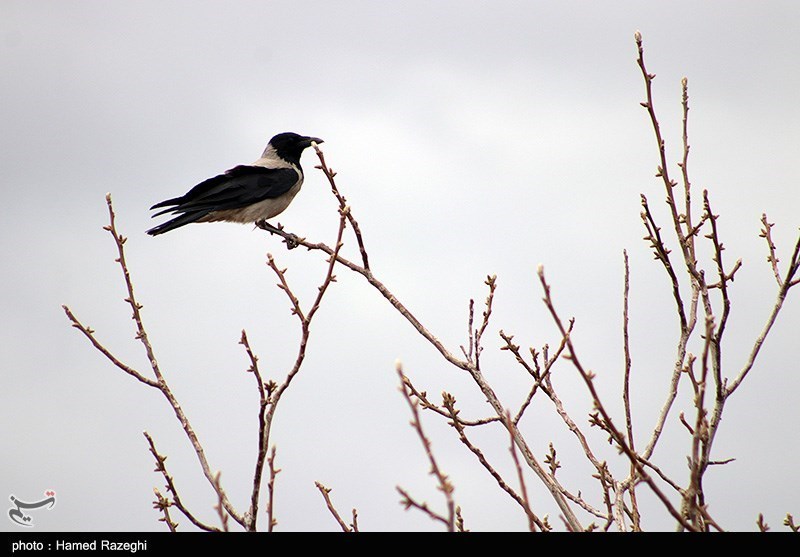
{"points": [[291, 241]]}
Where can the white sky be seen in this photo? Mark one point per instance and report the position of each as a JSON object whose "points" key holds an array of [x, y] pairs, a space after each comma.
{"points": [[471, 138]]}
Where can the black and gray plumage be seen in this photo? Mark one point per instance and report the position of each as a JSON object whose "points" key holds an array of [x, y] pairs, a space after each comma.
{"points": [[245, 193]]}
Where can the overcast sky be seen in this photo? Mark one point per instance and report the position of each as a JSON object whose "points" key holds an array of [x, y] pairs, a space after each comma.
{"points": [[470, 138]]}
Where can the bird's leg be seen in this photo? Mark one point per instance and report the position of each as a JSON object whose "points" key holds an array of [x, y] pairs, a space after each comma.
{"points": [[264, 225], [289, 238]]}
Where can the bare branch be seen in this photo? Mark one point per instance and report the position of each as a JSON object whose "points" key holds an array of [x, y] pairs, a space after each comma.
{"points": [[723, 277], [262, 425], [626, 397], [163, 503], [684, 165], [270, 397], [532, 519], [662, 254], [326, 495], [160, 383], [491, 397], [542, 377], [273, 472], [444, 482], [491, 282], [772, 258], [449, 403], [409, 502], [663, 170], [89, 333], [786, 283], [607, 422], [330, 174], [219, 507], [422, 397], [470, 333]]}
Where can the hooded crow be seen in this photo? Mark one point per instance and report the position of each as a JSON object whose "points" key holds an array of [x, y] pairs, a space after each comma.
{"points": [[245, 193]]}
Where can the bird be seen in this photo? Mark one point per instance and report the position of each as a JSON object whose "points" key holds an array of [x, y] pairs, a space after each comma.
{"points": [[245, 193]]}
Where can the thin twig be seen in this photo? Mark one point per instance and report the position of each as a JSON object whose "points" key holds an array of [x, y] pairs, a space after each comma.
{"points": [[663, 171], [219, 507], [445, 486], [523, 490], [787, 282], [662, 254], [330, 174], [626, 397], [273, 472], [543, 380], [684, 166], [409, 502], [176, 499], [542, 376], [449, 402], [325, 491], [89, 333], [491, 282], [422, 397], [608, 424], [772, 258], [163, 504], [262, 425]]}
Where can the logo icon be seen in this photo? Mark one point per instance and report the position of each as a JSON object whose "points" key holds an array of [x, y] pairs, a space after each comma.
{"points": [[18, 516]]}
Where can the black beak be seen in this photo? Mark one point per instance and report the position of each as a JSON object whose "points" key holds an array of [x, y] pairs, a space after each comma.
{"points": [[311, 140]]}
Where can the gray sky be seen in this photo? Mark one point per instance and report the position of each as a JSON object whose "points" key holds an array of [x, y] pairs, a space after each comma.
{"points": [[470, 138]]}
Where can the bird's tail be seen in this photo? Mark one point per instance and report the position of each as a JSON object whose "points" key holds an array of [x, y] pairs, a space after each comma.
{"points": [[177, 222]]}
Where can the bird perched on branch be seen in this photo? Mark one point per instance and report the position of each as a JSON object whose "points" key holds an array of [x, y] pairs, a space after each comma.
{"points": [[245, 193]]}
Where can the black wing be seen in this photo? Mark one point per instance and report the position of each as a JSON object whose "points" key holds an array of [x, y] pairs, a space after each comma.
{"points": [[238, 187]]}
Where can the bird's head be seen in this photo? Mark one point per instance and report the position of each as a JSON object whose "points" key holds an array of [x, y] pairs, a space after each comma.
{"points": [[289, 146]]}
